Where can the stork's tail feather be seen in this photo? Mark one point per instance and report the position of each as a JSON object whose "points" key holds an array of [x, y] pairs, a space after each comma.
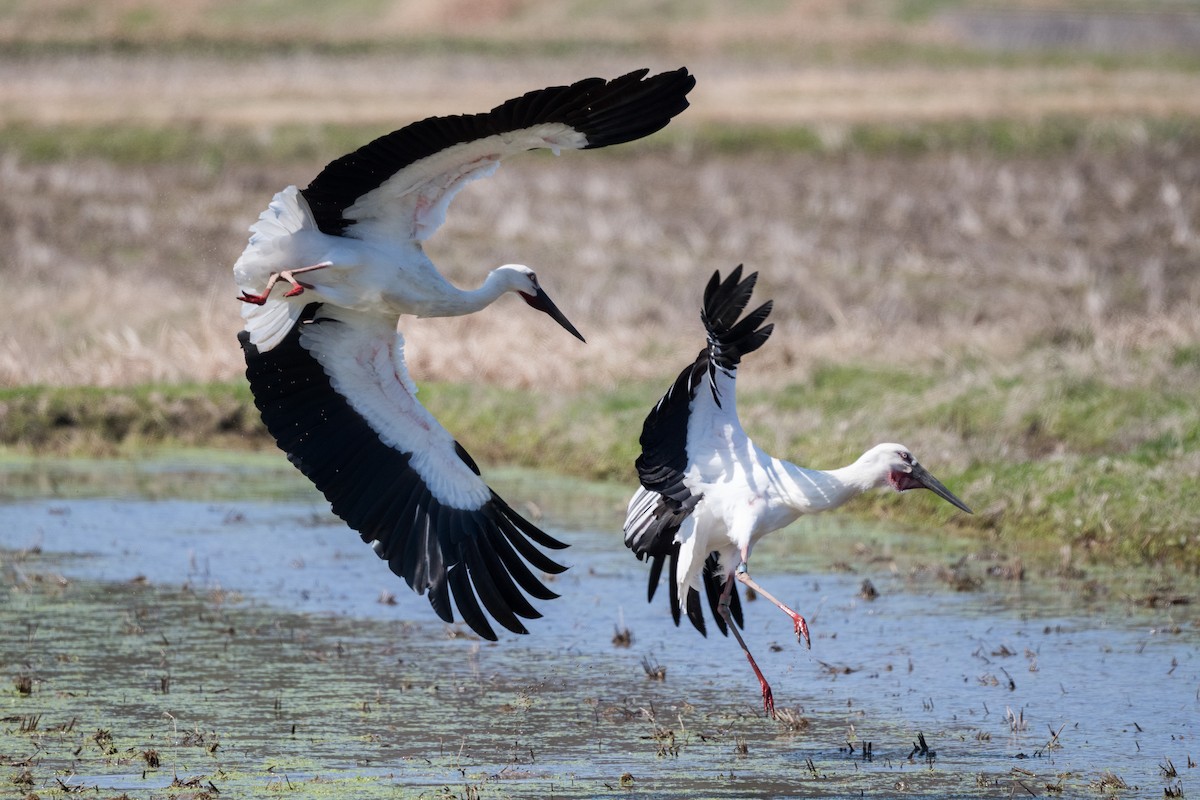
{"points": [[728, 338], [714, 584], [267, 324], [284, 216]]}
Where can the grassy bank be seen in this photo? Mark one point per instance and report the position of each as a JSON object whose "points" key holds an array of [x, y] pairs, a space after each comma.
{"points": [[1054, 452], [299, 145]]}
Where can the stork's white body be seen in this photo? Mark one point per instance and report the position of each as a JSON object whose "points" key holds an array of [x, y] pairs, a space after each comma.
{"points": [[746, 493], [378, 265], [709, 493], [758, 494], [388, 277]]}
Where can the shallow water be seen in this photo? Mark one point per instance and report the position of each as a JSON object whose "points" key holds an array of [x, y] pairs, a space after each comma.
{"points": [[319, 687]]}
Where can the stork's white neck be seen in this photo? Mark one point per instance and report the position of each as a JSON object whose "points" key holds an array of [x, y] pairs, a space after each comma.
{"points": [[493, 287], [810, 491], [453, 302]]}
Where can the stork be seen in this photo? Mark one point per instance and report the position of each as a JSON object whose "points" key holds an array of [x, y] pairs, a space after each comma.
{"points": [[325, 358], [708, 493]]}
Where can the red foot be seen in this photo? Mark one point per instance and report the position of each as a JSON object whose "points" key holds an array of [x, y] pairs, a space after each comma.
{"points": [[288, 275], [768, 700], [297, 289], [767, 695], [802, 631]]}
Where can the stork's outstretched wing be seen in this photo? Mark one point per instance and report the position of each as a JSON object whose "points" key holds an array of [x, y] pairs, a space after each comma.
{"points": [[336, 395], [398, 186]]}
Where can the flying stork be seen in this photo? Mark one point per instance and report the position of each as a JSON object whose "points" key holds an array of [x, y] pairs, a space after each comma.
{"points": [[708, 493], [325, 359]]}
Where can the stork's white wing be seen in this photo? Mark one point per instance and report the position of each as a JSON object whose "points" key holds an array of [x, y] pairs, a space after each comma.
{"points": [[412, 203]]}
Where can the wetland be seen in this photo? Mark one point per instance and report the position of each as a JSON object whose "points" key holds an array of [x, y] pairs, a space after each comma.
{"points": [[167, 637], [980, 227]]}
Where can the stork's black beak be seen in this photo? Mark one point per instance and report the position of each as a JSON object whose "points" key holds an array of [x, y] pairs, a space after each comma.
{"points": [[542, 302], [921, 477]]}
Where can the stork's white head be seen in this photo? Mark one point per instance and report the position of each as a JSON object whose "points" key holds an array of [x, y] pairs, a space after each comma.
{"points": [[522, 280], [895, 465]]}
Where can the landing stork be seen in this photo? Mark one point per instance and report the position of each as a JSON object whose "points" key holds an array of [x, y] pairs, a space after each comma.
{"points": [[325, 360], [709, 493]]}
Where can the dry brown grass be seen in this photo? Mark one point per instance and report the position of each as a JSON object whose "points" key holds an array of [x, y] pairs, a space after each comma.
{"points": [[120, 275]]}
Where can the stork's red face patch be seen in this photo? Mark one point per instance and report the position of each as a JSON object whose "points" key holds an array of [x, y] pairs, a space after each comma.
{"points": [[902, 481]]}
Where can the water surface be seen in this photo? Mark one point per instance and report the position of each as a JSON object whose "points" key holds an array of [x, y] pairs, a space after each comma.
{"points": [[268, 629]]}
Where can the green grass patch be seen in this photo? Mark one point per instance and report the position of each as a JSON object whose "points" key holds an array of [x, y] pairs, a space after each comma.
{"points": [[1048, 136], [266, 14], [88, 420], [130, 144], [1044, 460], [589, 435], [118, 143], [144, 39], [299, 143], [1053, 135]]}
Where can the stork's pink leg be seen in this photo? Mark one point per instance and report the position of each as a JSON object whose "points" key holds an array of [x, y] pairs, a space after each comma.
{"points": [[288, 275], [723, 608], [743, 575]]}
